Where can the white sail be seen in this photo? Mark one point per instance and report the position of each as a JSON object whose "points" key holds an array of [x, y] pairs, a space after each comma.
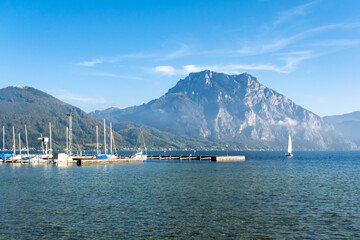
{"points": [[289, 145]]}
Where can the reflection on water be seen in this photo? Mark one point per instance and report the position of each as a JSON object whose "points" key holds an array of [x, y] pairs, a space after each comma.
{"points": [[313, 195]]}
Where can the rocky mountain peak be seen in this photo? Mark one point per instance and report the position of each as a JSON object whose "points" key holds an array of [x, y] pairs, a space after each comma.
{"points": [[236, 109], [212, 83]]}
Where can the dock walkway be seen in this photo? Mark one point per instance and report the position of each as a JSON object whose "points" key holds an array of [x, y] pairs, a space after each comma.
{"points": [[198, 157]]}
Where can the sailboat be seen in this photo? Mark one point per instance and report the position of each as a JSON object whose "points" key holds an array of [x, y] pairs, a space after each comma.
{"points": [[141, 155], [4, 155], [289, 153], [27, 157], [106, 155], [64, 159]]}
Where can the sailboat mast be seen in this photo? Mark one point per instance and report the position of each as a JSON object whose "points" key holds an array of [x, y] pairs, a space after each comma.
{"points": [[145, 149], [70, 134], [97, 140], [114, 144], [69, 115], [19, 144], [111, 147], [27, 143], [67, 140], [104, 137], [50, 150], [3, 138], [42, 143], [14, 144]]}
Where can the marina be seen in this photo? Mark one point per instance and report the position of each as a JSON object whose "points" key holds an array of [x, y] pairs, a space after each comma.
{"points": [[91, 159], [109, 155]]}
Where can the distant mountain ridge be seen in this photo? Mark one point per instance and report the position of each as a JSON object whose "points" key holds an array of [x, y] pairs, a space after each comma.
{"points": [[348, 124], [232, 109], [21, 106]]}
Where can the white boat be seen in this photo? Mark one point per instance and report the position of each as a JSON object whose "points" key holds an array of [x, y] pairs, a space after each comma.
{"points": [[140, 156], [46, 157], [106, 156], [289, 153], [62, 158]]}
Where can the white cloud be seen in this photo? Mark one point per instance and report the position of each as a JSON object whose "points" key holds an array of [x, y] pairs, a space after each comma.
{"points": [[287, 122], [192, 68], [230, 69], [92, 62], [167, 70], [262, 67]]}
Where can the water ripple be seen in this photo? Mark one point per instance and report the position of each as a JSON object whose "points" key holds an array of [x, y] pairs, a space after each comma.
{"points": [[314, 195]]}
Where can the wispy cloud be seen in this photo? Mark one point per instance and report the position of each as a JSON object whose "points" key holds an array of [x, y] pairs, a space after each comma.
{"points": [[282, 43], [286, 122], [92, 63], [167, 70], [182, 51], [298, 10], [67, 96], [230, 69], [96, 61], [112, 75], [294, 58], [337, 43], [103, 74]]}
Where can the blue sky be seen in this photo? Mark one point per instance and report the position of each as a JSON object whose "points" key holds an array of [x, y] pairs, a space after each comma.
{"points": [[97, 54]]}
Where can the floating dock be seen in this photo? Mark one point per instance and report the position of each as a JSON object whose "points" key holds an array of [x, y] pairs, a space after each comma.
{"points": [[198, 157], [94, 161]]}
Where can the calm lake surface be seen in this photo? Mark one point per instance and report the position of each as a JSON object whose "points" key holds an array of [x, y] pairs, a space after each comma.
{"points": [[313, 195]]}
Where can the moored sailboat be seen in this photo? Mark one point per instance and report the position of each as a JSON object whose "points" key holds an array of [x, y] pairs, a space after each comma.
{"points": [[289, 153]]}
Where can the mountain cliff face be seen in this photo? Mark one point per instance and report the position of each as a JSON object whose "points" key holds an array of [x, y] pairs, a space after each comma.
{"points": [[232, 109], [348, 124]]}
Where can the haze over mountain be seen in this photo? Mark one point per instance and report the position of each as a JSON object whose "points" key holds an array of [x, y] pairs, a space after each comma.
{"points": [[232, 109], [348, 124]]}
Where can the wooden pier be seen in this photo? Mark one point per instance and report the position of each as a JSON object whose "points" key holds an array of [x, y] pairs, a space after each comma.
{"points": [[198, 157]]}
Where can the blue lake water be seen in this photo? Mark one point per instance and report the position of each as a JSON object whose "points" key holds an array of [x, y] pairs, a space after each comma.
{"points": [[313, 195]]}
